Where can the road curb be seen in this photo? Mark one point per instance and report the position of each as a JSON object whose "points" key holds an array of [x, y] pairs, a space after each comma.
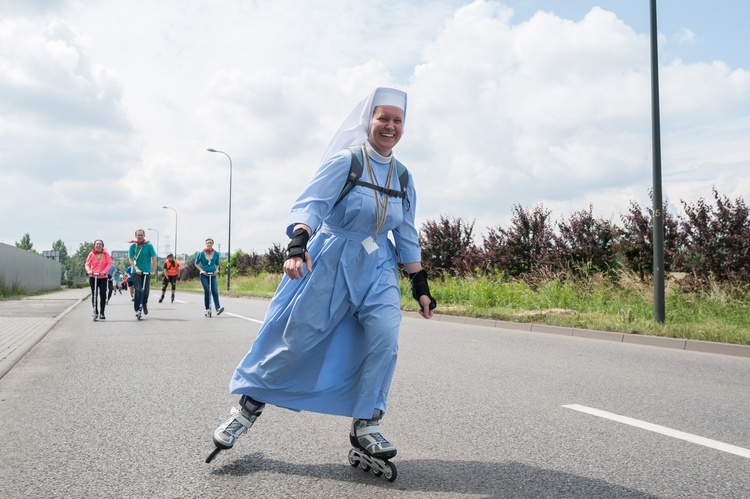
{"points": [[630, 338]]}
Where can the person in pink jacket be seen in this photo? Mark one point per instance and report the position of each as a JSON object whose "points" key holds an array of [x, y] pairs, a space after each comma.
{"points": [[97, 264]]}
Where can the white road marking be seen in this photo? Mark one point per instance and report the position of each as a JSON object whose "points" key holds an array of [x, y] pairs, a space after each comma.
{"points": [[714, 444], [243, 317], [233, 315]]}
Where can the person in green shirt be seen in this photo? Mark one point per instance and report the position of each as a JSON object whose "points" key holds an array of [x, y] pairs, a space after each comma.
{"points": [[207, 264], [142, 257]]}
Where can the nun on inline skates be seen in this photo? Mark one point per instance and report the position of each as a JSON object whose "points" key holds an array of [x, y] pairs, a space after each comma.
{"points": [[329, 341]]}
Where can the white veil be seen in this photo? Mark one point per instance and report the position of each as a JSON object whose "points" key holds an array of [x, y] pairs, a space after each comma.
{"points": [[355, 129]]}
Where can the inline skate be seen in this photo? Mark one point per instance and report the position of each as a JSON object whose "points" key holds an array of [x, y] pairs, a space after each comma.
{"points": [[371, 451], [239, 420]]}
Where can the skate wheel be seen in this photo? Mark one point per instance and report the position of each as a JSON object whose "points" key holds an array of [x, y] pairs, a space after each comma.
{"points": [[390, 472], [213, 454], [364, 466], [376, 472], [353, 459]]}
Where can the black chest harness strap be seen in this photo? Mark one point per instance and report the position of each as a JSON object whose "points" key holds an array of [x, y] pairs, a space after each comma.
{"points": [[355, 172]]}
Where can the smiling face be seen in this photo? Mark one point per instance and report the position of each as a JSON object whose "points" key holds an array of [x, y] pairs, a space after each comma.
{"points": [[140, 235], [386, 127], [98, 245]]}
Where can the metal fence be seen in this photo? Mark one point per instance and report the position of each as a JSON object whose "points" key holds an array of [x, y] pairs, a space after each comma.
{"points": [[28, 271]]}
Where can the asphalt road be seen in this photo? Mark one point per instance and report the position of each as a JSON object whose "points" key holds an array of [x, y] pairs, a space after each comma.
{"points": [[121, 408]]}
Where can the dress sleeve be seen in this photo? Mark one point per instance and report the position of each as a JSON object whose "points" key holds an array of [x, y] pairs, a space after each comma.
{"points": [[406, 235], [317, 199]]}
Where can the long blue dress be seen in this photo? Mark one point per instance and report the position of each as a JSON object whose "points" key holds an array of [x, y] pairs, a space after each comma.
{"points": [[329, 341]]}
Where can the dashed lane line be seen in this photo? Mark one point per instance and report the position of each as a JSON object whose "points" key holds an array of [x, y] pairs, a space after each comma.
{"points": [[243, 317], [233, 315], [707, 442]]}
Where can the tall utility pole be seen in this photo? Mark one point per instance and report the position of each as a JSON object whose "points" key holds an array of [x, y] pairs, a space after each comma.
{"points": [[658, 230], [157, 241], [229, 235], [176, 257]]}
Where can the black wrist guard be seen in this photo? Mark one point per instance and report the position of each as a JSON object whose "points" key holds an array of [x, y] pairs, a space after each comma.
{"points": [[420, 287], [298, 244]]}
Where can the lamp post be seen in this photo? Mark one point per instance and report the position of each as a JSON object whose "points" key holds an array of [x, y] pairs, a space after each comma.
{"points": [[157, 241], [157, 249], [229, 236], [175, 230], [658, 227]]}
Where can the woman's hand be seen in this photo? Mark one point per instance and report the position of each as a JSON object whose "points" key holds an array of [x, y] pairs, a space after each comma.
{"points": [[293, 266], [424, 302]]}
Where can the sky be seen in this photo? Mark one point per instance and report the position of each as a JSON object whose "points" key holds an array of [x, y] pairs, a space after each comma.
{"points": [[107, 109]]}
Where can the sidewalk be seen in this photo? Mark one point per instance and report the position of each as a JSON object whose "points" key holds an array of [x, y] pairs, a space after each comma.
{"points": [[25, 321]]}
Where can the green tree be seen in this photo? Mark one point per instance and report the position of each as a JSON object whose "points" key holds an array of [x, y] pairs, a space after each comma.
{"points": [[59, 246], [26, 243], [77, 266]]}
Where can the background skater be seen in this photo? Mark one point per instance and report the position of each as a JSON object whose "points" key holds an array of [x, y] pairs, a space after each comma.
{"points": [[207, 263], [97, 265], [142, 257], [170, 276]]}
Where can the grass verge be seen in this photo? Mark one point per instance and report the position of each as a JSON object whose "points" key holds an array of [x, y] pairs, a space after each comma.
{"points": [[623, 305]]}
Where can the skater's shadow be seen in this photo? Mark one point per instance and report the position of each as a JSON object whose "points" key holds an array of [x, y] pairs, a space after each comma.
{"points": [[510, 479], [150, 319], [166, 319]]}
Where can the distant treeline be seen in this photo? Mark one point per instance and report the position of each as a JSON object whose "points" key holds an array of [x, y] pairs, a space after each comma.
{"points": [[709, 243]]}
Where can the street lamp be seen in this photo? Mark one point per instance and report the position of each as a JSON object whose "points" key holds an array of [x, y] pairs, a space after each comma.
{"points": [[157, 241], [658, 218], [157, 248], [175, 230], [229, 236]]}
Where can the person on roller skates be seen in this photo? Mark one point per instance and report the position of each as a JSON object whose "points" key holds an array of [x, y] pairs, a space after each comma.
{"points": [[170, 275], [329, 341]]}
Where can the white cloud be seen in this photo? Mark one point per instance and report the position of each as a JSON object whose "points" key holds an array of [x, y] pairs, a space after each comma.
{"points": [[107, 113], [685, 36], [561, 116]]}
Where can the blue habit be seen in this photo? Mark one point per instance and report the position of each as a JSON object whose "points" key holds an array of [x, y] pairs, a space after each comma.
{"points": [[329, 341]]}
